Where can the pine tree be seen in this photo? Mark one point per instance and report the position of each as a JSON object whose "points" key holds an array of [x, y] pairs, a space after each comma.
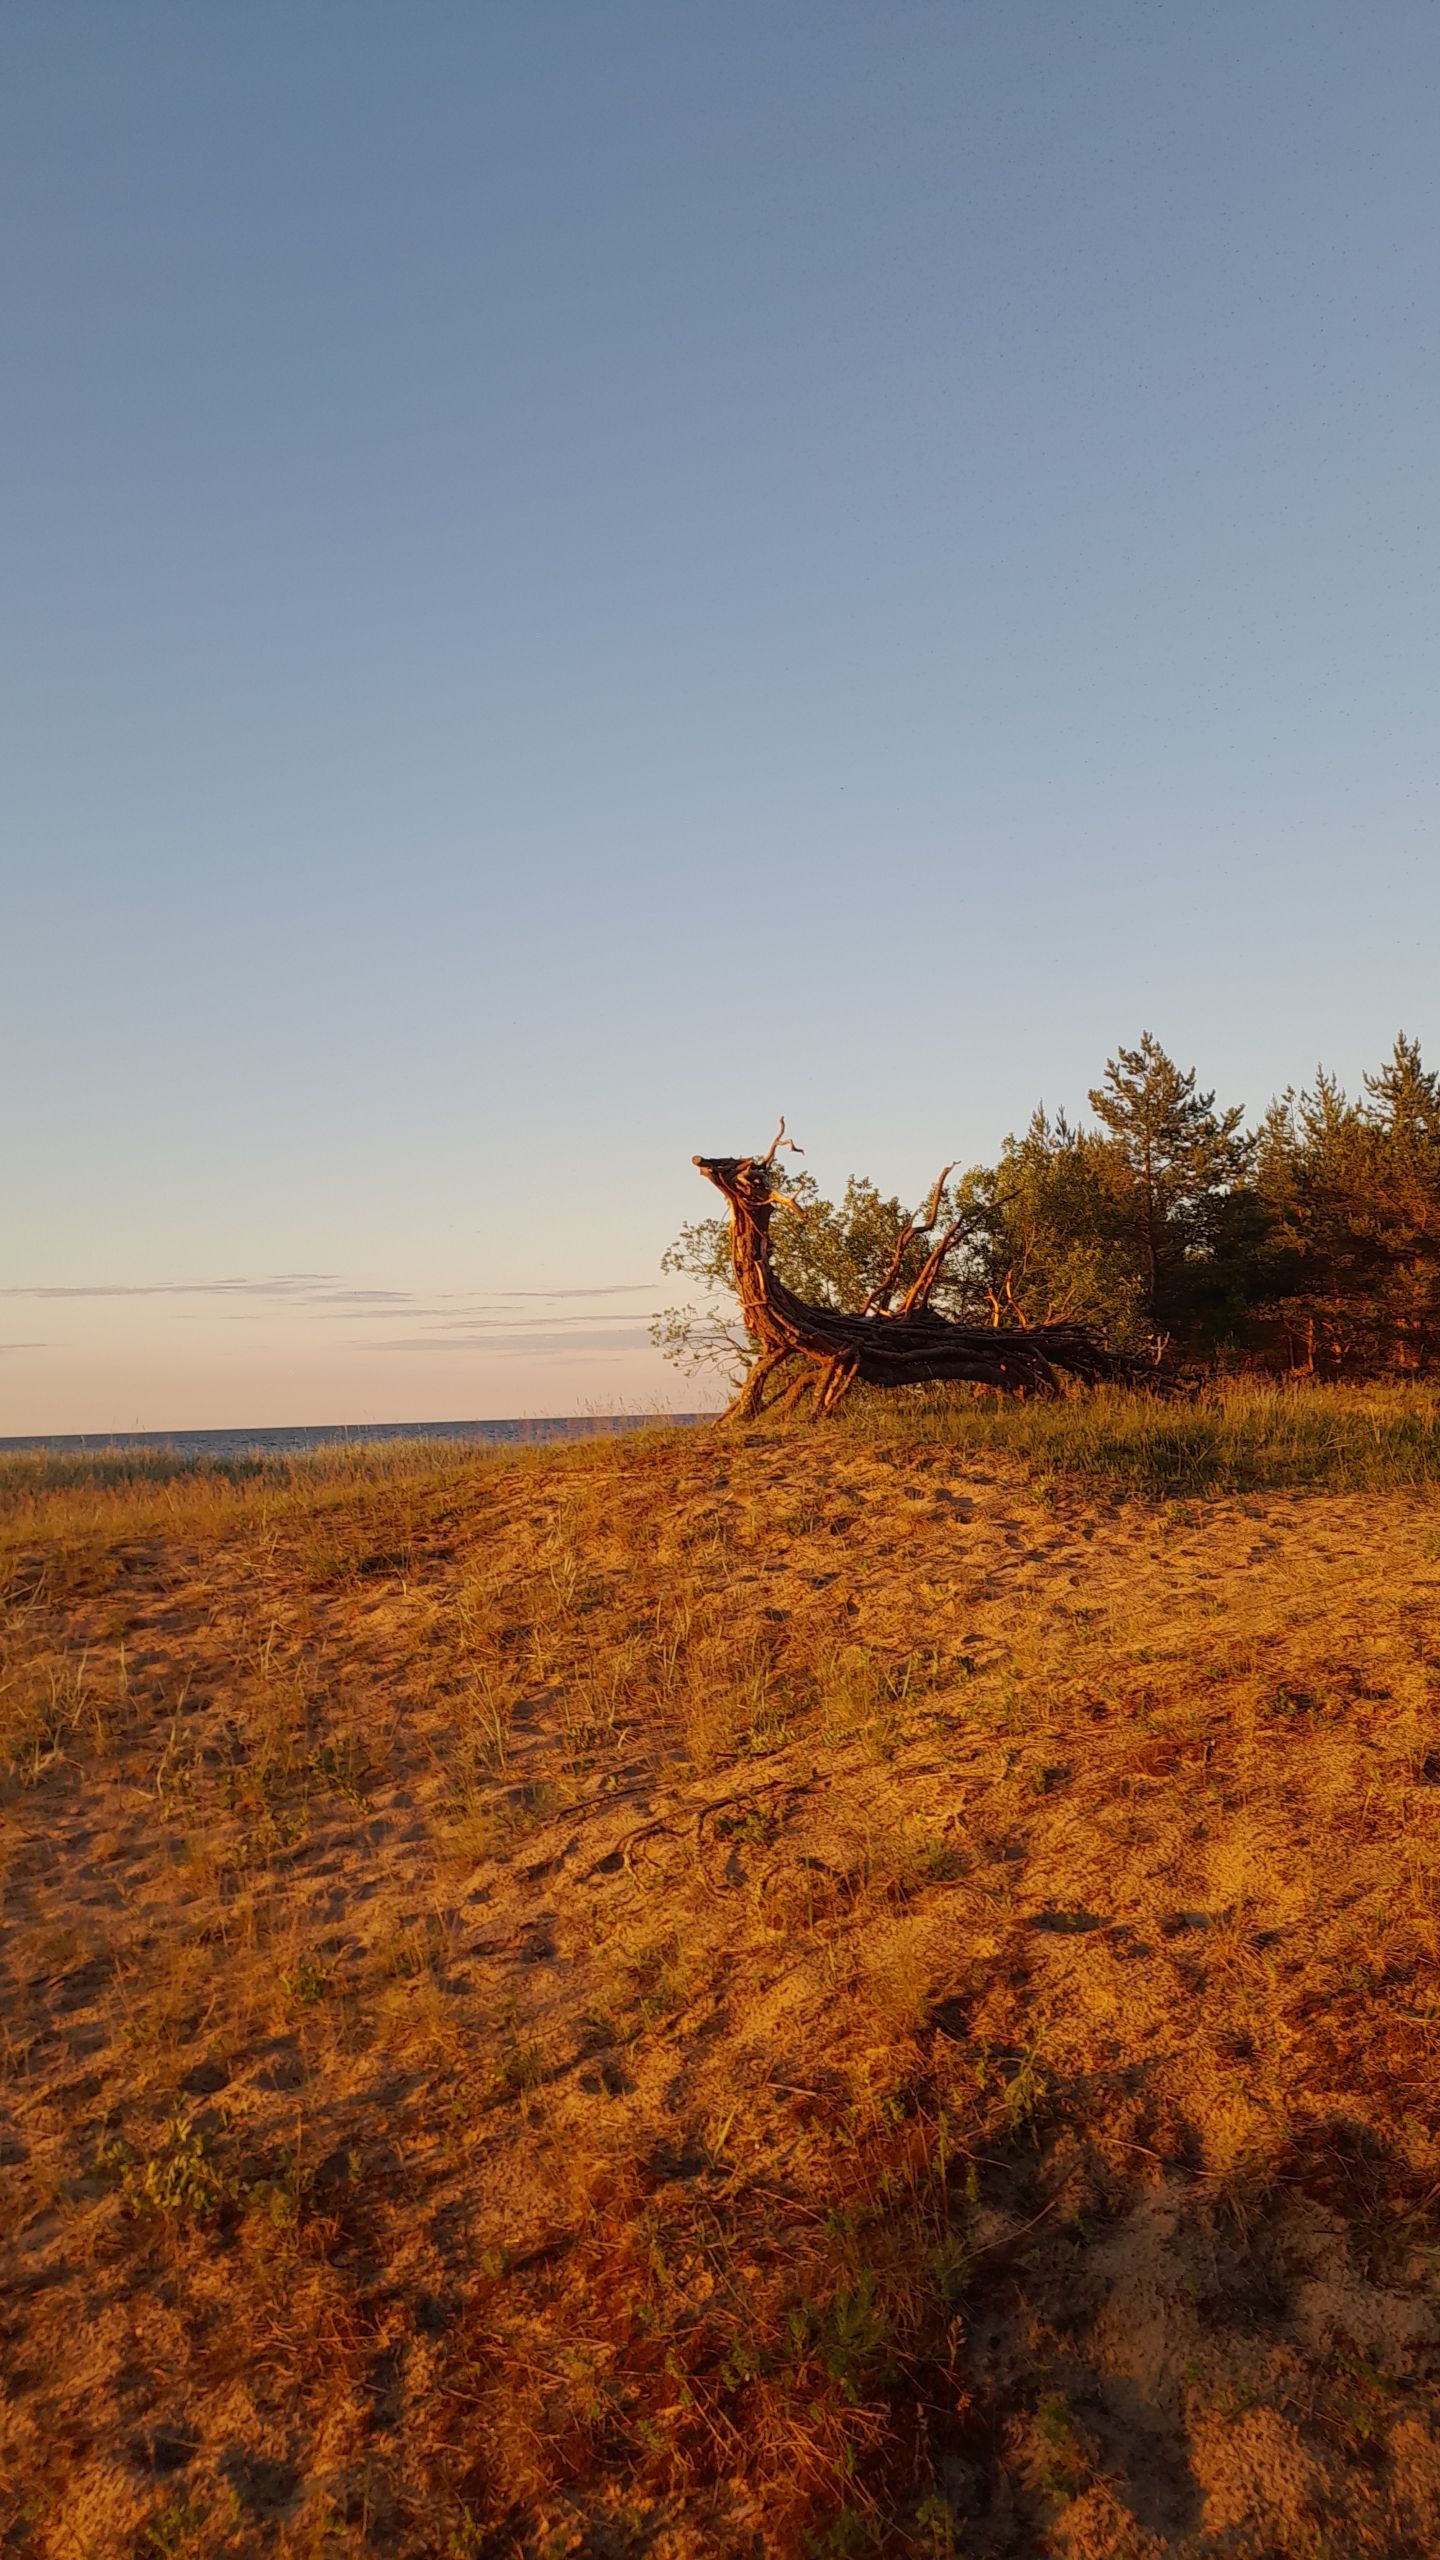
{"points": [[1314, 1244], [1051, 1240], [1181, 1176], [1313, 1171], [1355, 1192], [1402, 1110]]}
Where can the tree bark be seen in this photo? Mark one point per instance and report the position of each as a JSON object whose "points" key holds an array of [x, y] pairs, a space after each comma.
{"points": [[904, 1346]]}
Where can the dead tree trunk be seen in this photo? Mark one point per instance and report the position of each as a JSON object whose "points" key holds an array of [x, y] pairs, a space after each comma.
{"points": [[885, 1345]]}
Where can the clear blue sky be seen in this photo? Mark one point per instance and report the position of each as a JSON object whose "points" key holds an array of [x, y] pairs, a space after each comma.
{"points": [[576, 576]]}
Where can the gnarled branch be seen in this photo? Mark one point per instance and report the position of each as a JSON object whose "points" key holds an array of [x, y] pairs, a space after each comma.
{"points": [[883, 1346]]}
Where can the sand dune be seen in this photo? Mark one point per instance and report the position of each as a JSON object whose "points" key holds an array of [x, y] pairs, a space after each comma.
{"points": [[693, 1997]]}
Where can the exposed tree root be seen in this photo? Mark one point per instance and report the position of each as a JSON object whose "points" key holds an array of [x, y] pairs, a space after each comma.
{"points": [[886, 1344]]}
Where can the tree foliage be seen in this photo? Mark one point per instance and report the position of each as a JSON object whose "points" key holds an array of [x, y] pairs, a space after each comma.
{"points": [[831, 1253], [1353, 1191], [1310, 1243]]}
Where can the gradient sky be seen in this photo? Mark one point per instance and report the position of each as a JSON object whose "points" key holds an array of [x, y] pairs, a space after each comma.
{"points": [[574, 577]]}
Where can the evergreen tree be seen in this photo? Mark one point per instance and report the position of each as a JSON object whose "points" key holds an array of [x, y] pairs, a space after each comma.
{"points": [[1355, 1192], [1311, 1168], [1402, 1111], [1180, 1171], [1051, 1240], [1314, 1244]]}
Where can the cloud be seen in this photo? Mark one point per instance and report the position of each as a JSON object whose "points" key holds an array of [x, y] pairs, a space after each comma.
{"points": [[501, 1322], [495, 1308], [27, 1346], [608, 1289], [479, 1325], [522, 1338], [361, 1298], [285, 1284], [326, 1290]]}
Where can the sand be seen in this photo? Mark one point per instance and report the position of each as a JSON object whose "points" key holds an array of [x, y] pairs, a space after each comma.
{"points": [[722, 1997]]}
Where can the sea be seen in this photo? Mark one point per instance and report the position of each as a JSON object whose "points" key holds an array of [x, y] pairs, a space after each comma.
{"points": [[288, 1439]]}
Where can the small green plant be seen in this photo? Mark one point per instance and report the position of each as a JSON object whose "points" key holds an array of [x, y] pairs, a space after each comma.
{"points": [[846, 2537], [171, 2529], [950, 2269], [1025, 2093], [936, 2527], [751, 1826], [113, 2159], [521, 2068], [182, 2182], [1064, 2467], [306, 1982], [280, 2201], [843, 2336], [344, 1765]]}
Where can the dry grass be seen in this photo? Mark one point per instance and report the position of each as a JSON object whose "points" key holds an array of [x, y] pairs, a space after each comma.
{"points": [[870, 1992]]}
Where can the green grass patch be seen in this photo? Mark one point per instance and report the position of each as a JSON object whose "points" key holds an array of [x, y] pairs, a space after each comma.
{"points": [[1241, 1438]]}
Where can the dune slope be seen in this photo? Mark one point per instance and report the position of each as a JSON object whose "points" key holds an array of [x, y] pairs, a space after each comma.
{"points": [[694, 1996]]}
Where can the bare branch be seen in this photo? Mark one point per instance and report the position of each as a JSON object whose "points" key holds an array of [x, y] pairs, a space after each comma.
{"points": [[777, 1142], [936, 1196], [915, 1225], [927, 1278]]}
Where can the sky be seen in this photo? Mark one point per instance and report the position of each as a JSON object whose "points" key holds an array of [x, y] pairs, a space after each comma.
{"points": [[573, 578]]}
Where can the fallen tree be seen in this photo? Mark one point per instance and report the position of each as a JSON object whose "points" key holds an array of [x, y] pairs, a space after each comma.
{"points": [[894, 1340]]}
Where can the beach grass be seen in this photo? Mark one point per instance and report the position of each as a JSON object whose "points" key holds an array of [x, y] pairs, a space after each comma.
{"points": [[797, 1992], [1247, 1436]]}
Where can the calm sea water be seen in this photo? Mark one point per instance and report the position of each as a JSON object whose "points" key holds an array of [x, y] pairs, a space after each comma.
{"points": [[284, 1441]]}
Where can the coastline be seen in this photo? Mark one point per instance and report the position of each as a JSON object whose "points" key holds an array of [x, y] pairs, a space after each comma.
{"points": [[289, 1439]]}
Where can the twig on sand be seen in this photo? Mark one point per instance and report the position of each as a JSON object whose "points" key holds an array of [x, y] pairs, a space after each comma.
{"points": [[625, 1849]]}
